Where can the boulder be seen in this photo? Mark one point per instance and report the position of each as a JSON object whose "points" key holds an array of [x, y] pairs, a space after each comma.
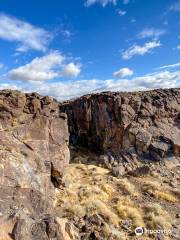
{"points": [[143, 140], [176, 145], [158, 150], [118, 171]]}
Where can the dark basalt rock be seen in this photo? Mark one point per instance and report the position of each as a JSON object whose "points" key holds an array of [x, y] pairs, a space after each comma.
{"points": [[114, 122]]}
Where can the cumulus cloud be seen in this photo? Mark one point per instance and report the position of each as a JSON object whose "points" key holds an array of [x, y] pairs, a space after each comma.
{"points": [[45, 68], [1, 65], [123, 72], [72, 89], [89, 3], [151, 32], [140, 50], [26, 35], [72, 70]]}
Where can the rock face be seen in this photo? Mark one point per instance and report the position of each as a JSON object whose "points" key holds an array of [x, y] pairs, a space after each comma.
{"points": [[33, 154], [144, 123], [34, 150]]}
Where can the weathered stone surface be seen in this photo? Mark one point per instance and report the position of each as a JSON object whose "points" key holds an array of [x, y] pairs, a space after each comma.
{"points": [[118, 171], [66, 231], [176, 145], [143, 140], [140, 171], [33, 143], [159, 150], [116, 122]]}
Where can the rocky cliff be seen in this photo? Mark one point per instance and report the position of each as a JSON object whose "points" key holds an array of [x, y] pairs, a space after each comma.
{"points": [[36, 201], [144, 123], [33, 154]]}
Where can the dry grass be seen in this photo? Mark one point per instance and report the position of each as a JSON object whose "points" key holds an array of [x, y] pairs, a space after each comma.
{"points": [[108, 189], [127, 210], [92, 191], [167, 196], [127, 187], [72, 210], [156, 217], [158, 191], [85, 198], [115, 233], [95, 206], [67, 195]]}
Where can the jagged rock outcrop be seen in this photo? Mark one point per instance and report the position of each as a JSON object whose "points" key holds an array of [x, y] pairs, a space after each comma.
{"points": [[33, 154], [142, 123]]}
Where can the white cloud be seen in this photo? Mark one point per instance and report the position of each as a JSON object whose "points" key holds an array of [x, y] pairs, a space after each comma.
{"points": [[25, 34], [72, 70], [175, 7], [121, 12], [151, 32], [89, 3], [170, 66], [44, 68], [178, 47], [126, 1], [140, 50], [72, 89], [123, 72], [1, 65]]}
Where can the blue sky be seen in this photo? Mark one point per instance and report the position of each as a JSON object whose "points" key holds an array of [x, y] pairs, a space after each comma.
{"points": [[67, 48]]}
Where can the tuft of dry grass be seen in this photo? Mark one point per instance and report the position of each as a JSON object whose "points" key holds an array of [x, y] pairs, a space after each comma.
{"points": [[72, 210], [127, 187], [156, 217], [108, 189], [96, 192], [127, 210], [158, 191], [167, 196], [67, 195], [95, 206], [111, 232]]}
